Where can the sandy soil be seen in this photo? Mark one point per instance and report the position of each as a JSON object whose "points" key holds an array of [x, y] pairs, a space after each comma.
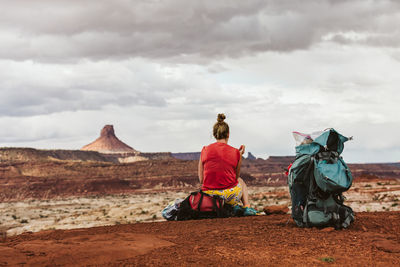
{"points": [[78, 212], [249, 241]]}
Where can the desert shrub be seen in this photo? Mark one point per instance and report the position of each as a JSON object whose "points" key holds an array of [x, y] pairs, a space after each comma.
{"points": [[367, 185], [154, 217], [395, 204], [24, 221], [327, 259], [14, 216]]}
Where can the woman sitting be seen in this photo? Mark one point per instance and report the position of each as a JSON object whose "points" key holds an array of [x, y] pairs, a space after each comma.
{"points": [[219, 169]]}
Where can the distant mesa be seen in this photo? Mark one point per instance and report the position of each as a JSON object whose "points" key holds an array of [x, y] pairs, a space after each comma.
{"points": [[108, 143], [186, 155], [250, 156]]}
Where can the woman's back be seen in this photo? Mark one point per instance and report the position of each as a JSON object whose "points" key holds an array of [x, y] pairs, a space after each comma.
{"points": [[220, 162]]}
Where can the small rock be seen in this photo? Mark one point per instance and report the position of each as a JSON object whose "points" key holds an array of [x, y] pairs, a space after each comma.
{"points": [[277, 209], [328, 229], [3, 235], [388, 246]]}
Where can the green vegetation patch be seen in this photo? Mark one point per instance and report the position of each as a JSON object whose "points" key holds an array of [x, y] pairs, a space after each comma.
{"points": [[328, 259]]}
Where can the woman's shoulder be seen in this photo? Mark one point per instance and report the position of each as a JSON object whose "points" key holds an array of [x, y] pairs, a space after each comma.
{"points": [[215, 144], [209, 147], [219, 146], [213, 147], [231, 147], [227, 148]]}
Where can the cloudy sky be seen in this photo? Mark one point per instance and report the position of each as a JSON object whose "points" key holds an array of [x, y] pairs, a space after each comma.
{"points": [[160, 71]]}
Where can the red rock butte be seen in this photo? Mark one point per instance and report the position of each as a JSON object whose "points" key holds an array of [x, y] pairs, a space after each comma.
{"points": [[108, 143]]}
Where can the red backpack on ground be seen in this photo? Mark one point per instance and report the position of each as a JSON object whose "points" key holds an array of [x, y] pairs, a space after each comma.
{"points": [[199, 205]]}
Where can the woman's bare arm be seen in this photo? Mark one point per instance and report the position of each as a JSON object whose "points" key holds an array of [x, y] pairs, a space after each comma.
{"points": [[241, 150], [201, 171], [238, 167]]}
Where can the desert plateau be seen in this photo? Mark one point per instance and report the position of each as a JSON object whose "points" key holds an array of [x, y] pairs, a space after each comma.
{"points": [[76, 207]]}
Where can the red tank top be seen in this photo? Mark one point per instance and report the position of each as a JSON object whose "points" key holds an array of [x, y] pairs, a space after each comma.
{"points": [[219, 162]]}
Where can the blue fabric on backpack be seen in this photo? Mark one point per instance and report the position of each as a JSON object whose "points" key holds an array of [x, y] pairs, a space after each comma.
{"points": [[171, 210], [332, 177]]}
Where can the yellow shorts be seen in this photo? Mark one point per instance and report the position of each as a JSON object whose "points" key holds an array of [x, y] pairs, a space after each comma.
{"points": [[231, 196]]}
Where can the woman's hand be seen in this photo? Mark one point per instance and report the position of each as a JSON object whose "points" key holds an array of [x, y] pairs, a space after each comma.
{"points": [[242, 148]]}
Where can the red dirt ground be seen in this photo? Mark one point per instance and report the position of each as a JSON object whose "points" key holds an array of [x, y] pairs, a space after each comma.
{"points": [[274, 240]]}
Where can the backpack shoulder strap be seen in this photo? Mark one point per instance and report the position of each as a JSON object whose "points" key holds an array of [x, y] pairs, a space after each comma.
{"points": [[200, 201]]}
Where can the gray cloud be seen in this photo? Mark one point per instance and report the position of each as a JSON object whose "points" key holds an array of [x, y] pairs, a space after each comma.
{"points": [[161, 71], [31, 89], [59, 31]]}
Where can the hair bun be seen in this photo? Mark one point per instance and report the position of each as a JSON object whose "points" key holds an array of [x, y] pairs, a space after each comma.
{"points": [[221, 117]]}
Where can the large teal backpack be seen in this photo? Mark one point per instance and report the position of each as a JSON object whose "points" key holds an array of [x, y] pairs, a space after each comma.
{"points": [[317, 179]]}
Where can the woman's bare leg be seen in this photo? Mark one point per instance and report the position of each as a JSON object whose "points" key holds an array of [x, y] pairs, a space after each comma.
{"points": [[245, 193]]}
